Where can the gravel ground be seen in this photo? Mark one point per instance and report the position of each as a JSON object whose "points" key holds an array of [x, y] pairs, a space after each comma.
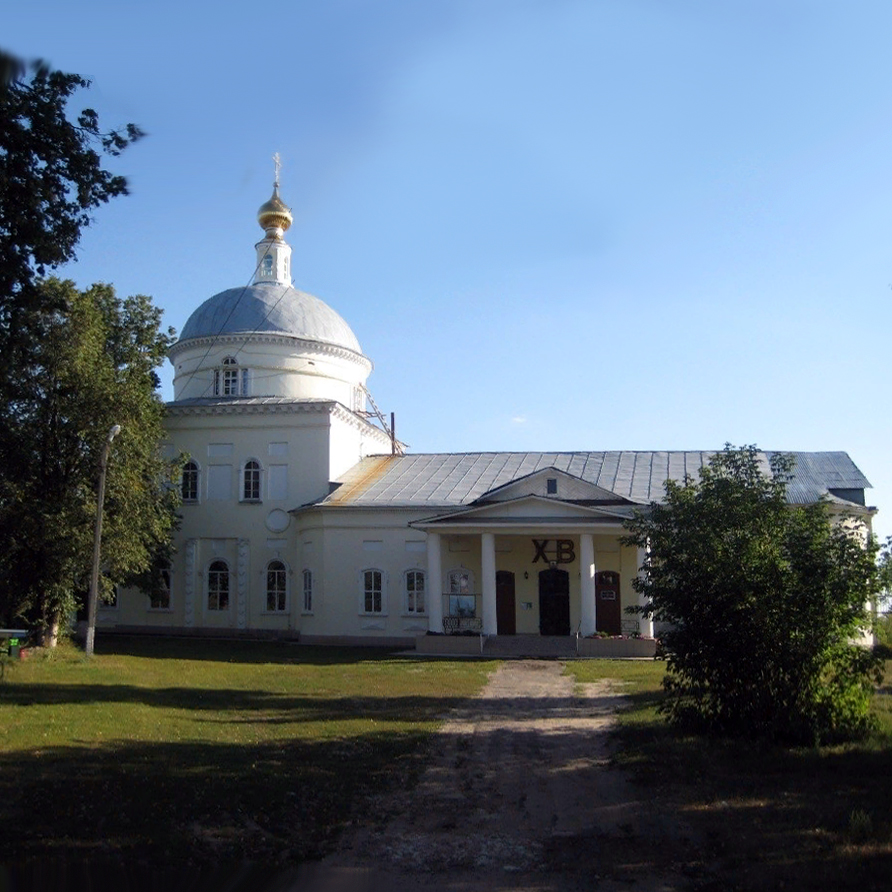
{"points": [[517, 794]]}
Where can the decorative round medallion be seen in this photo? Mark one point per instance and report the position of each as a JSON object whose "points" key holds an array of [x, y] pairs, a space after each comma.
{"points": [[277, 521]]}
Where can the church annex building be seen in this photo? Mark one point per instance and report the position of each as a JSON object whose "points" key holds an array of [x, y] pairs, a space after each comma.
{"points": [[302, 517]]}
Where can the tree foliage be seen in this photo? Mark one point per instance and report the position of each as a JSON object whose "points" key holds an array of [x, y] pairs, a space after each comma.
{"points": [[72, 363], [92, 366], [764, 601], [51, 179]]}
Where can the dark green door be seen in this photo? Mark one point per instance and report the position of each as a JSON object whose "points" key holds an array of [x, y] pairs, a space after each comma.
{"points": [[554, 602], [506, 614]]}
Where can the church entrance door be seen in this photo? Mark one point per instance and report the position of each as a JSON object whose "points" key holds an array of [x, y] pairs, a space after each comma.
{"points": [[506, 617], [554, 602], [608, 615]]}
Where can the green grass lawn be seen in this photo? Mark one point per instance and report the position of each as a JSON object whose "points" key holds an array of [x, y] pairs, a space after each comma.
{"points": [[189, 752], [764, 817]]}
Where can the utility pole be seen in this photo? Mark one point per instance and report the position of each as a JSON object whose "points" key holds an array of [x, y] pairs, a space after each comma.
{"points": [[97, 539]]}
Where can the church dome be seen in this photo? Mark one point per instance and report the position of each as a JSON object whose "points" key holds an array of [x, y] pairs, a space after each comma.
{"points": [[268, 339], [269, 308]]}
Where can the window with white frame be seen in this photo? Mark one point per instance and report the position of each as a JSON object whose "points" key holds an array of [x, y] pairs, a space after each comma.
{"points": [[415, 592], [218, 586], [276, 587], [308, 591], [159, 599], [372, 591], [230, 380], [189, 481], [462, 601], [251, 481]]}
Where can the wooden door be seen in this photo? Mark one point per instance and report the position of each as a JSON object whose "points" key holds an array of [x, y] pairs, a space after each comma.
{"points": [[506, 615], [608, 609], [554, 602]]}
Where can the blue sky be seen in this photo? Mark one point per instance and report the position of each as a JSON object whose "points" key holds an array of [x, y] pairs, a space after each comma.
{"points": [[561, 225]]}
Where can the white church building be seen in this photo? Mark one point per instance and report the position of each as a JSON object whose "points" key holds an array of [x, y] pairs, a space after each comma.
{"points": [[302, 517]]}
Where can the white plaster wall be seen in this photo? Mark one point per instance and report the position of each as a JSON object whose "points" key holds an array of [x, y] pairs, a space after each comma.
{"points": [[344, 544], [351, 442], [280, 367]]}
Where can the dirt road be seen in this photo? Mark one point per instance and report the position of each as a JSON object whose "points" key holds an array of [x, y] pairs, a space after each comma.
{"points": [[517, 794]]}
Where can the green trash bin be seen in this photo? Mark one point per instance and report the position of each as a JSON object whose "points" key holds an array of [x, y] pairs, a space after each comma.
{"points": [[14, 648]]}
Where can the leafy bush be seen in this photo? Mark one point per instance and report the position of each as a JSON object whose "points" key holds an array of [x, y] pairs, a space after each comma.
{"points": [[764, 601]]}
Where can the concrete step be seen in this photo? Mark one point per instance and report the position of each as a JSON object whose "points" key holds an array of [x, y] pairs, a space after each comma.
{"points": [[506, 646]]}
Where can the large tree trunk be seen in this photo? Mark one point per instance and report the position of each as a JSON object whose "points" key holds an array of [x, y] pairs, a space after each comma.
{"points": [[49, 634]]}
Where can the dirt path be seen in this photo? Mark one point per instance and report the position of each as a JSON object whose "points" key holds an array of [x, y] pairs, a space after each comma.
{"points": [[517, 794]]}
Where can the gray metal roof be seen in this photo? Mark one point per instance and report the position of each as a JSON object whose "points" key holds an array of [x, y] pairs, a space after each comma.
{"points": [[456, 479], [270, 308]]}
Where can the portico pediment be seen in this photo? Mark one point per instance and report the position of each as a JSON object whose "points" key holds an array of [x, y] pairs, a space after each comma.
{"points": [[529, 510], [554, 485]]}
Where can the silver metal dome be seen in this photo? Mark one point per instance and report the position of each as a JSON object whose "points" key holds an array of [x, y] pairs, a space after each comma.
{"points": [[269, 308]]}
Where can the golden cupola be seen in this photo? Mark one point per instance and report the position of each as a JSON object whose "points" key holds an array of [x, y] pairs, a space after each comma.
{"points": [[274, 215]]}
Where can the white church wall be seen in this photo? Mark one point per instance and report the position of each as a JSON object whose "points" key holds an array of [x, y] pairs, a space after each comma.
{"points": [[276, 366], [349, 543], [352, 441]]}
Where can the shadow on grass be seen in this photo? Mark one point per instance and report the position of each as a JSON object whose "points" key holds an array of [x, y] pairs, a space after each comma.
{"points": [[266, 706], [770, 816], [236, 651], [181, 807]]}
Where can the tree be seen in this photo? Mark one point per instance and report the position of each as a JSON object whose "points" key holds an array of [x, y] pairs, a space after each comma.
{"points": [[92, 366], [51, 178], [764, 602], [68, 361]]}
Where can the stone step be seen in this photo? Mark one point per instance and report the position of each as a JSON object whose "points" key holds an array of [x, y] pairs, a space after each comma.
{"points": [[530, 646]]}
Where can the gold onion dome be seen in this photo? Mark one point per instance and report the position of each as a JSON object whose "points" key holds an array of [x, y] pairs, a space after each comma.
{"points": [[274, 214]]}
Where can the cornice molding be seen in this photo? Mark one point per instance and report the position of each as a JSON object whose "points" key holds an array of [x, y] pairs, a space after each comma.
{"points": [[250, 406], [310, 346], [244, 407]]}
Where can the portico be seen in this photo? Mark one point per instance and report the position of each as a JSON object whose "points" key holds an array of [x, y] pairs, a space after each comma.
{"points": [[531, 565]]}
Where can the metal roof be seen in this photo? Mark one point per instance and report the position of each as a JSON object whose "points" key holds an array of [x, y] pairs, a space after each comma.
{"points": [[269, 308], [456, 479]]}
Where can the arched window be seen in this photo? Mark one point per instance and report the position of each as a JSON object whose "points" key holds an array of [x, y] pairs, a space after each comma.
{"points": [[276, 587], [415, 600], [308, 591], [218, 586], [189, 481], [230, 380], [372, 591], [251, 481]]}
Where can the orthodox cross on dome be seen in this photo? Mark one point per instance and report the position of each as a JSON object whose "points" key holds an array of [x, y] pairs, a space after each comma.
{"points": [[278, 162]]}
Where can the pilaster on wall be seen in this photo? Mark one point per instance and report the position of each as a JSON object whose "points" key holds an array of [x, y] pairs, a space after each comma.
{"points": [[242, 583], [189, 583]]}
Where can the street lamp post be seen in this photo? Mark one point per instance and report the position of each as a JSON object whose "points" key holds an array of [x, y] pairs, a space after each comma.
{"points": [[97, 539]]}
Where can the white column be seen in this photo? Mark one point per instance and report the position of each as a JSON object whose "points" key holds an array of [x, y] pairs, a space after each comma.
{"points": [[488, 571], [434, 584], [645, 624], [587, 571]]}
